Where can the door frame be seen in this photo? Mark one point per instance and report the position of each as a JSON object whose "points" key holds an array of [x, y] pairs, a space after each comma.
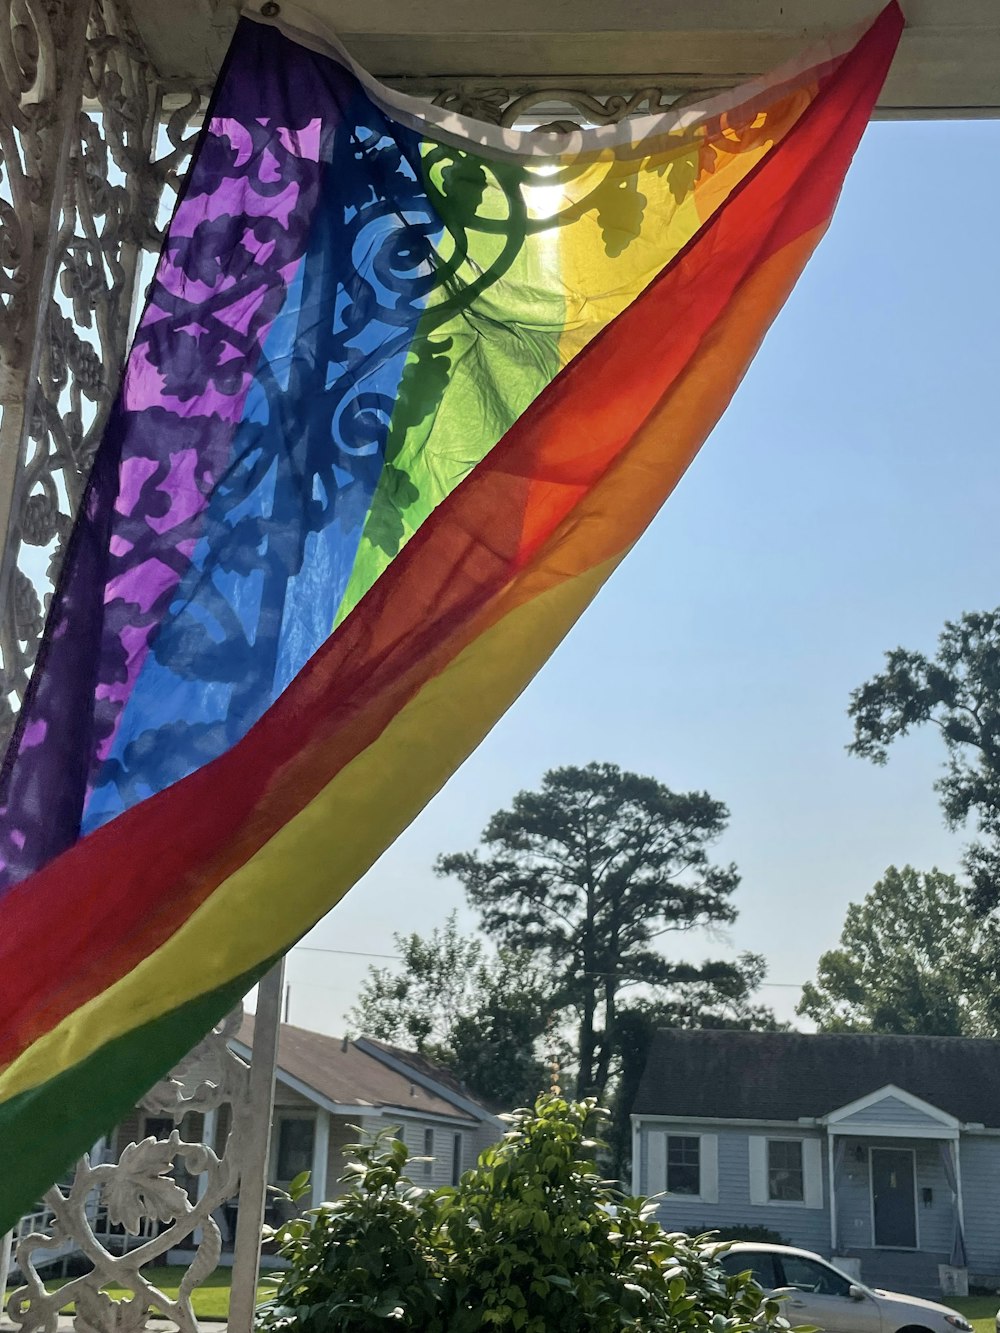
{"points": [[910, 1249]]}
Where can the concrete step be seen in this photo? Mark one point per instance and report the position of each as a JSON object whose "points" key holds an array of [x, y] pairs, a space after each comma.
{"points": [[912, 1274]]}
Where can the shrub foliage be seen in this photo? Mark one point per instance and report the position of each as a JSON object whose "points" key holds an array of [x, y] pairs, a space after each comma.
{"points": [[531, 1240]]}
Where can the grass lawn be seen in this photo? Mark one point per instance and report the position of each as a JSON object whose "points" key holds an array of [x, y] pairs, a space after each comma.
{"points": [[210, 1300], [979, 1310]]}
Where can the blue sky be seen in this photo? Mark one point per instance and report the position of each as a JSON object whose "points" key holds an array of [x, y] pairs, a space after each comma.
{"points": [[846, 503]]}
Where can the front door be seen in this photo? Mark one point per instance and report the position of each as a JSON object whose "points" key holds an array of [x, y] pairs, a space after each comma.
{"points": [[894, 1205]]}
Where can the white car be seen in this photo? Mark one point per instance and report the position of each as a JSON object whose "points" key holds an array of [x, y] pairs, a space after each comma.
{"points": [[816, 1293]]}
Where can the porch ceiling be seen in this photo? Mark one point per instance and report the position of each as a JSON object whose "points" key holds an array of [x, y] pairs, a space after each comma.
{"points": [[948, 63]]}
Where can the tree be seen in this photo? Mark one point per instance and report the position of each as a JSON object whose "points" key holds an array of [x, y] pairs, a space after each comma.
{"points": [[589, 873], [910, 961], [717, 995], [481, 1016], [958, 691]]}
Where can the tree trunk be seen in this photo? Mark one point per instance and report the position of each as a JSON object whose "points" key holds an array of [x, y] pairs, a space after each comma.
{"points": [[588, 1040], [587, 1046], [609, 1040]]}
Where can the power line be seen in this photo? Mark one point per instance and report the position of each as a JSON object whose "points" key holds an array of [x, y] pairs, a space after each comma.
{"points": [[397, 958], [353, 953]]}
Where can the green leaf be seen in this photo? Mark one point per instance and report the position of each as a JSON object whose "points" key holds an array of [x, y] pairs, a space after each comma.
{"points": [[299, 1186]]}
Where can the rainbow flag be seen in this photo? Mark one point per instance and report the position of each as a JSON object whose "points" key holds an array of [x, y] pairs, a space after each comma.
{"points": [[407, 389]]}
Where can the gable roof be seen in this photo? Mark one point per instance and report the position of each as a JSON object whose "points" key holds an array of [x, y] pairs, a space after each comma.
{"points": [[342, 1074], [429, 1072], [795, 1075]]}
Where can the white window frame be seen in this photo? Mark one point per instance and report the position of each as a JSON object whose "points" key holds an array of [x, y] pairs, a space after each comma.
{"points": [[802, 1164], [281, 1118], [758, 1154], [656, 1164]]}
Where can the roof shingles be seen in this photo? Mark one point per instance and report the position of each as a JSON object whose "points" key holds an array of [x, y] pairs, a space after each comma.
{"points": [[793, 1075], [347, 1076]]}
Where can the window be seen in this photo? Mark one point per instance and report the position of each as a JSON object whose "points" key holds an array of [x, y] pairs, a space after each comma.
{"points": [[456, 1159], [158, 1126], [683, 1165], [295, 1148], [759, 1262], [785, 1181], [428, 1153], [808, 1275]]}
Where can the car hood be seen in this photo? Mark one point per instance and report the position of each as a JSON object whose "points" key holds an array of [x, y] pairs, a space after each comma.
{"points": [[913, 1302]]}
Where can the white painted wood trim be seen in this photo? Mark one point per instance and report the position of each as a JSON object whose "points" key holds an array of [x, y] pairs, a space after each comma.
{"points": [[321, 1156], [757, 1148], [900, 1094], [812, 1173], [708, 1163], [730, 1122], [959, 1198], [656, 1162], [636, 1183], [894, 1132]]}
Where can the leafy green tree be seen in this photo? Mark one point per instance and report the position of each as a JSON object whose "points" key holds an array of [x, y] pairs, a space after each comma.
{"points": [[909, 961], [530, 1241], [590, 873], [482, 1016], [719, 995], [958, 691]]}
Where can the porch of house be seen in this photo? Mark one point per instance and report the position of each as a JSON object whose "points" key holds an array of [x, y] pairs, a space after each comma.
{"points": [[897, 1213]]}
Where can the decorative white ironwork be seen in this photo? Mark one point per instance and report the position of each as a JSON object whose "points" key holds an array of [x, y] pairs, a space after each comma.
{"points": [[81, 189], [569, 108], [120, 1216]]}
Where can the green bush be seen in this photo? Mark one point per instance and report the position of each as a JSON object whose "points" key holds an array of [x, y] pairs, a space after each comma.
{"points": [[531, 1241]]}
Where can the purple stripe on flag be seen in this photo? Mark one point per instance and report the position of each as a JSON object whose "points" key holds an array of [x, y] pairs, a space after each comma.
{"points": [[234, 245]]}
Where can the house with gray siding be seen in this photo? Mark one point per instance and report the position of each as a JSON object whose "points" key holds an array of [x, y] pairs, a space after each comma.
{"points": [[879, 1152], [329, 1092], [327, 1089]]}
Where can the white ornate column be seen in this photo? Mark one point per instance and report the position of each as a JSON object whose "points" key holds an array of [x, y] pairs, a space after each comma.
{"points": [[80, 190]]}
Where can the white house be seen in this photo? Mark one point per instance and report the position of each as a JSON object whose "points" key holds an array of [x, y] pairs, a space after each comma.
{"points": [[882, 1152], [329, 1092]]}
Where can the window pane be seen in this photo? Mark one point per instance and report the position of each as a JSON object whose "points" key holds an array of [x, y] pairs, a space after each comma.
{"points": [[784, 1170], [808, 1275], [159, 1126], [428, 1152], [759, 1262], [295, 1147], [683, 1169], [456, 1159]]}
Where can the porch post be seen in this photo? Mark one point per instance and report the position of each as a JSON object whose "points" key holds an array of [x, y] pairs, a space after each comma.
{"points": [[256, 1146], [959, 1201], [321, 1156], [831, 1168], [6, 1242]]}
